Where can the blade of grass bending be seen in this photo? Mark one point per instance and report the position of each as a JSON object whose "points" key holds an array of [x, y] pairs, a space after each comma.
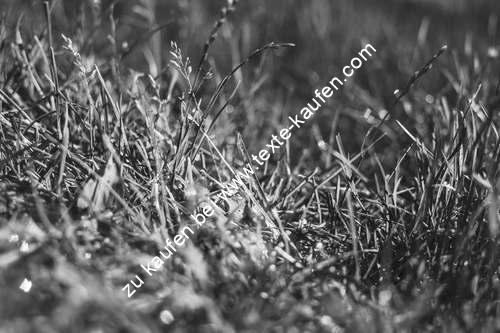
{"points": [[218, 90], [224, 13], [212, 123]]}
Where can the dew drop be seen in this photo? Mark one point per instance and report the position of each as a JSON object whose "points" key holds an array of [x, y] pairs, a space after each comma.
{"points": [[166, 317], [493, 52], [26, 285], [25, 247], [322, 145]]}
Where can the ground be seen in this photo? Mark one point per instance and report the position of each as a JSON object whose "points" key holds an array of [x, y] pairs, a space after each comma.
{"points": [[118, 121]]}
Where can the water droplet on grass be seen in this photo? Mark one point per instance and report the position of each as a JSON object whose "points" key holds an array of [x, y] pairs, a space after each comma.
{"points": [[26, 285], [493, 52], [25, 247], [322, 145], [166, 317]]}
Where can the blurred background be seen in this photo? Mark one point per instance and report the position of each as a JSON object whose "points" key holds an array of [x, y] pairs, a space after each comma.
{"points": [[406, 33]]}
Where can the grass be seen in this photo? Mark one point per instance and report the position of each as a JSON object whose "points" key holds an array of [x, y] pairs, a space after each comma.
{"points": [[388, 202]]}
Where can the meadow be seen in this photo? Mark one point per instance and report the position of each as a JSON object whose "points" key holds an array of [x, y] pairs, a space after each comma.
{"points": [[117, 119]]}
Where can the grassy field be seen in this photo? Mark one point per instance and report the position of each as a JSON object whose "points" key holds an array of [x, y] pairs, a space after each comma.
{"points": [[384, 208]]}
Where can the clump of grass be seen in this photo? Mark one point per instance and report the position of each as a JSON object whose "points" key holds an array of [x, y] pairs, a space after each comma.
{"points": [[99, 165]]}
